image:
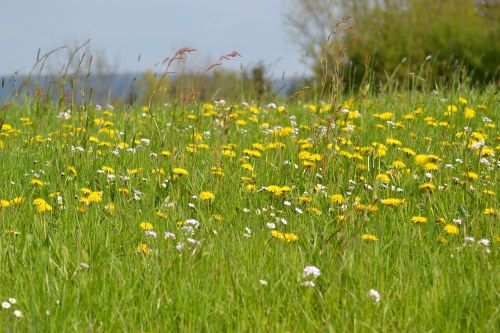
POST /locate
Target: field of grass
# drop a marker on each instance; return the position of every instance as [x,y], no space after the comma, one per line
[380,215]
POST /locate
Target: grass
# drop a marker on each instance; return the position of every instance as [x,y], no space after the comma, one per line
[88,265]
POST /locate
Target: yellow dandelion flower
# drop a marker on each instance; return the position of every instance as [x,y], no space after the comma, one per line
[369,237]
[206,196]
[393,142]
[250,187]
[451,229]
[489,211]
[4,203]
[427,186]
[180,172]
[146,226]
[17,201]
[419,219]
[134,172]
[42,205]
[393,202]
[471,176]
[72,171]
[37,183]
[337,198]
[143,248]
[469,113]
[383,178]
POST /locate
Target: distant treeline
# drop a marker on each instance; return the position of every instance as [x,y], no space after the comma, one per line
[142,88]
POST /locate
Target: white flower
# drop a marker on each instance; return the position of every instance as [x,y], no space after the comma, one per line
[18,313]
[311,271]
[168,235]
[485,242]
[469,239]
[457,221]
[374,295]
[84,265]
[179,246]
[151,233]
[298,210]
[263,282]
[308,284]
[248,232]
[271,225]
[12,300]
[193,241]
[6,305]
[287,203]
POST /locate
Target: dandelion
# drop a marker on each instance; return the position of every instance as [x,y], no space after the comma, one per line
[471,176]
[72,171]
[451,229]
[37,183]
[143,248]
[289,236]
[180,172]
[42,205]
[489,211]
[369,237]
[337,198]
[427,187]
[418,219]
[146,226]
[206,196]
[394,202]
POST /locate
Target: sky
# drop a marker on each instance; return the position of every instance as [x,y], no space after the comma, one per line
[124,29]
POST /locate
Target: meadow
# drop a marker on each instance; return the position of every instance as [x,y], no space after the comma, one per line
[378,214]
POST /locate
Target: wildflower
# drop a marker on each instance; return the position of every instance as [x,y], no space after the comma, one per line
[462,100]
[217,171]
[311,272]
[369,237]
[4,203]
[393,202]
[168,235]
[206,196]
[489,211]
[278,190]
[393,142]
[374,295]
[72,171]
[143,248]
[6,305]
[337,198]
[419,219]
[37,183]
[383,178]
[180,172]
[471,176]
[263,282]
[42,205]
[18,313]
[427,186]
[146,226]
[289,237]
[451,229]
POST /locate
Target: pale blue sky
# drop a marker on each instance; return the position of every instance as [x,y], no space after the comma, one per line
[153,28]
